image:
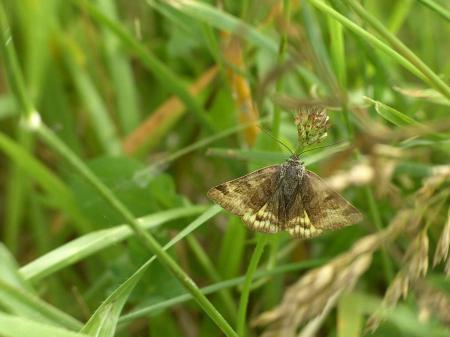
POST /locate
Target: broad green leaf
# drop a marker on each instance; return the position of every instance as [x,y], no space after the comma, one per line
[119,174]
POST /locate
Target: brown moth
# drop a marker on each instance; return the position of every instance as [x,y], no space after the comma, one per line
[285,197]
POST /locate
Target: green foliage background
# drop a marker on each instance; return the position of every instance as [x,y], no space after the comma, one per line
[79,77]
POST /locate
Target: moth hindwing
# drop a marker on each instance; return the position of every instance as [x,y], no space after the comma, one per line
[285,197]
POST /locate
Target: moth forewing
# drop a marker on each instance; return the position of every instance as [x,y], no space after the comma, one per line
[327,208]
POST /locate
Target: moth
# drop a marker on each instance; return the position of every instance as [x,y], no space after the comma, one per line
[286,197]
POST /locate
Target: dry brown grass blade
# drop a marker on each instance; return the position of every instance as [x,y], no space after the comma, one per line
[167,112]
[246,108]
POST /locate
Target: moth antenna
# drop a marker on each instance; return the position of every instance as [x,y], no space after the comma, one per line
[275,138]
[322,147]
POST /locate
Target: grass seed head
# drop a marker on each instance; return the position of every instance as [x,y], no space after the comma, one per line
[312,124]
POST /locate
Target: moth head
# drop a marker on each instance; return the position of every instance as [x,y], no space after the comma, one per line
[292,169]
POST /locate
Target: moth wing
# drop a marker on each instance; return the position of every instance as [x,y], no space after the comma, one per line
[252,197]
[325,208]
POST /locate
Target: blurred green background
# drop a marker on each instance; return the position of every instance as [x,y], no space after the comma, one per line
[160,101]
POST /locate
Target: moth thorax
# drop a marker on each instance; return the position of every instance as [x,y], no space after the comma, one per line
[292,172]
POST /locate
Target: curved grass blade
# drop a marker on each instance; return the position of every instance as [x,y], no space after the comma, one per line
[26,304]
[392,115]
[437,8]
[18,297]
[9,270]
[14,326]
[92,243]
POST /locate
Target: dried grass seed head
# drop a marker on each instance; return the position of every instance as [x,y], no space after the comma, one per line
[443,245]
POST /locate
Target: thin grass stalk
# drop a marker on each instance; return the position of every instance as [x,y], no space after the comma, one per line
[436,8]
[12,67]
[282,52]
[224,294]
[376,218]
[245,294]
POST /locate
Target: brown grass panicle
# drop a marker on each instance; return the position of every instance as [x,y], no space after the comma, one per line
[309,296]
[432,302]
[442,247]
[429,202]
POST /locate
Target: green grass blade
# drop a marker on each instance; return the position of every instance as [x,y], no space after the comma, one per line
[392,115]
[202,257]
[12,67]
[399,15]
[223,21]
[121,74]
[261,242]
[100,119]
[9,271]
[18,297]
[86,245]
[337,51]
[14,326]
[18,188]
[25,304]
[59,192]
[443,12]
